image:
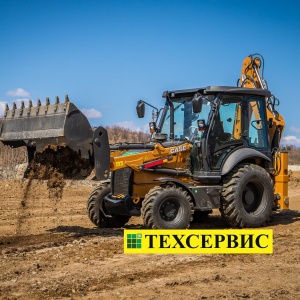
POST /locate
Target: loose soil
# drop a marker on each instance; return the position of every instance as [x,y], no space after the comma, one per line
[58,159]
[55,164]
[50,250]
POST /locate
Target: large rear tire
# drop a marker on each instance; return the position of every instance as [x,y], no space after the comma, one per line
[247,196]
[96,210]
[167,207]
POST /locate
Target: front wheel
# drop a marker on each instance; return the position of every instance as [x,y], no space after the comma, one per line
[96,210]
[167,207]
[247,196]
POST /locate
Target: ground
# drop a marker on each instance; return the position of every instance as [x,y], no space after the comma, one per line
[49,249]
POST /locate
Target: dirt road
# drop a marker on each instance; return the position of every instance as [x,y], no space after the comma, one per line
[49,249]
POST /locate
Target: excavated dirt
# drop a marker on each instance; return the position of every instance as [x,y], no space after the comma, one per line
[55,164]
[50,250]
[58,161]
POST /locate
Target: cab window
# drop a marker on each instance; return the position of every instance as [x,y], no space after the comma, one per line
[257,134]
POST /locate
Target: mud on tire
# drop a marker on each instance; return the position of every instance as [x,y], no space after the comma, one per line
[247,196]
[168,207]
[96,210]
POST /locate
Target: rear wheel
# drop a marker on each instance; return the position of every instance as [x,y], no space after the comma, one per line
[168,207]
[96,210]
[247,197]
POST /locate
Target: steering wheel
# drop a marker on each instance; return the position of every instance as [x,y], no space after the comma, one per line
[193,133]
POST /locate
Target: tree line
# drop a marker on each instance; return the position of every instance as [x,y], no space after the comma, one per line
[10,158]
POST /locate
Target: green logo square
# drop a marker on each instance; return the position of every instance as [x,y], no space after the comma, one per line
[134,241]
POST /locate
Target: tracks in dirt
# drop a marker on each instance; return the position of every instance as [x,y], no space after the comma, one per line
[54,194]
[57,254]
[91,264]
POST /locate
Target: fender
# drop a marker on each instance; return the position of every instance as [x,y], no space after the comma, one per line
[204,198]
[179,183]
[239,155]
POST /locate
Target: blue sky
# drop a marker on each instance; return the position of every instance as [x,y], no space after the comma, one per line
[108,54]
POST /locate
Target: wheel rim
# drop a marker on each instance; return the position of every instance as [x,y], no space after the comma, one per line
[169,209]
[252,197]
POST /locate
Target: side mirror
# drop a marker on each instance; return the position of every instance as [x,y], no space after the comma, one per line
[140,109]
[197,103]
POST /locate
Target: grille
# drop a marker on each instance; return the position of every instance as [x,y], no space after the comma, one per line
[122,182]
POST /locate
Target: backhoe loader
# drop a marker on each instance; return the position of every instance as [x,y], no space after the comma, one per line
[210,147]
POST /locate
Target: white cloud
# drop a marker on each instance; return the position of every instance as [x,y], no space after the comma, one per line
[92,113]
[2,108]
[132,126]
[290,140]
[294,129]
[19,92]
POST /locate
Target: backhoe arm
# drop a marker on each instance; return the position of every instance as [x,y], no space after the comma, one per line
[252,77]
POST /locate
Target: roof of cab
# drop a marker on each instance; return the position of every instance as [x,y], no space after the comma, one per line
[215,90]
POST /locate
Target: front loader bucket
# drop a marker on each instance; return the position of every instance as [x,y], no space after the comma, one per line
[41,125]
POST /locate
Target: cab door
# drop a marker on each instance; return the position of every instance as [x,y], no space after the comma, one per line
[226,131]
[239,122]
[257,124]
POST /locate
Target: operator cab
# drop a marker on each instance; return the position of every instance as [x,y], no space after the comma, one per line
[218,121]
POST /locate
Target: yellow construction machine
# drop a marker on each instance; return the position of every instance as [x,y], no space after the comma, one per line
[210,147]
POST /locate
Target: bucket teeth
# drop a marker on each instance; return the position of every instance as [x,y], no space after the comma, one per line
[38,105]
[47,103]
[21,108]
[29,107]
[56,103]
[40,125]
[14,107]
[40,109]
[67,101]
[6,109]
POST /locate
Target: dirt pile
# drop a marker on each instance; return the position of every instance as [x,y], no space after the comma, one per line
[55,164]
[58,161]
[48,254]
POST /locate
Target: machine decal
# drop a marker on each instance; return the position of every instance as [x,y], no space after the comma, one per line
[177,149]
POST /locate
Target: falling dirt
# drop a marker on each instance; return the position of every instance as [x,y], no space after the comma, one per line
[21,218]
[58,161]
[55,164]
[50,250]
